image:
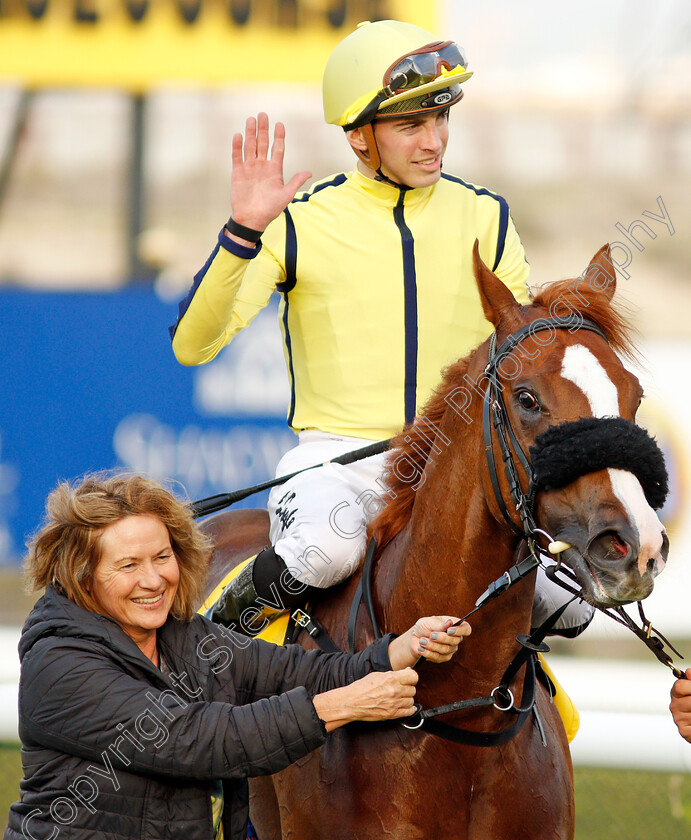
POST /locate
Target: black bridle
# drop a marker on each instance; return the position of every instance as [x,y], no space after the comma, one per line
[600,443]
[496,417]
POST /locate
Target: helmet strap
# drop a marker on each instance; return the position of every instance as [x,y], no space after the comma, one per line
[371,157]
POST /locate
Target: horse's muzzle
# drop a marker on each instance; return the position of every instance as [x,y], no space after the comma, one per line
[614,568]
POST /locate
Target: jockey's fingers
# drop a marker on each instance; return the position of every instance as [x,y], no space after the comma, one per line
[250,138]
[279,143]
[237,149]
[262,135]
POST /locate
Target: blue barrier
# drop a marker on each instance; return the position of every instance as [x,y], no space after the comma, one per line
[90,382]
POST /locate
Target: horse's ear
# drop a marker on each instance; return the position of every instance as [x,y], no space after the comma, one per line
[496,298]
[600,274]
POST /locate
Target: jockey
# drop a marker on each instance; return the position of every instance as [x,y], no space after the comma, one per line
[374,268]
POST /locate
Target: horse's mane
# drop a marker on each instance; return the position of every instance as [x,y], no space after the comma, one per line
[614,321]
[413,445]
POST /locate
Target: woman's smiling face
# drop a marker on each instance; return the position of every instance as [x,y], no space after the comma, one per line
[137,576]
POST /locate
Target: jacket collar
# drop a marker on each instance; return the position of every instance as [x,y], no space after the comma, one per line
[387,194]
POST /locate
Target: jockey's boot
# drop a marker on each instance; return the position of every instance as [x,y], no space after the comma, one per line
[263,589]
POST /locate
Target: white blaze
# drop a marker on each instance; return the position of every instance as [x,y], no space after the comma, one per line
[630,493]
[582,368]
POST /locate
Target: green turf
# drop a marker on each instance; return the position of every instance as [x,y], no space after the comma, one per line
[632,805]
[10,774]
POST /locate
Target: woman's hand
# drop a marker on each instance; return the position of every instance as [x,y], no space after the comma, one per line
[258,194]
[381,695]
[432,638]
[680,707]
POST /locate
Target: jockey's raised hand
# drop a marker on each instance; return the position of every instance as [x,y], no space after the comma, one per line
[258,192]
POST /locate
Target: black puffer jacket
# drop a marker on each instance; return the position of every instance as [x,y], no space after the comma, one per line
[114,748]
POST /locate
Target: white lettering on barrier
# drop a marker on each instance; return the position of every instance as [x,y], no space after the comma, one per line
[200,458]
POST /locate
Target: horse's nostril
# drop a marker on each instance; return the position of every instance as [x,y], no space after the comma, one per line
[611,547]
[614,545]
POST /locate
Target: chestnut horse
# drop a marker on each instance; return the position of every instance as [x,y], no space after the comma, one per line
[448,528]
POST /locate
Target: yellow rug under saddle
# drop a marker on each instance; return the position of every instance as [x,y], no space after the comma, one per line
[565,705]
[277,631]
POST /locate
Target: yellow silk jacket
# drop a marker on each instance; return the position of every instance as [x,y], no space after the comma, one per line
[377,295]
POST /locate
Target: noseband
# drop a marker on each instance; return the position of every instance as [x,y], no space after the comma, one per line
[564,452]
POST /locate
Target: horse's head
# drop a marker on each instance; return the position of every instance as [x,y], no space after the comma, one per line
[570,403]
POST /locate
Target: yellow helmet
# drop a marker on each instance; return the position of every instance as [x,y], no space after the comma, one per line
[390,68]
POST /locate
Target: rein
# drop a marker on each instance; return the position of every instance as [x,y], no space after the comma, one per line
[501,697]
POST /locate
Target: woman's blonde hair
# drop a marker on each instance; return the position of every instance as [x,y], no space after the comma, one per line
[66,549]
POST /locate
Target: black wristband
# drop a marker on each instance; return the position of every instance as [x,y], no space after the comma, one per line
[248,234]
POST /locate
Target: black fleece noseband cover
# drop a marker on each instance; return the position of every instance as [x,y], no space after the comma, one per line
[565,452]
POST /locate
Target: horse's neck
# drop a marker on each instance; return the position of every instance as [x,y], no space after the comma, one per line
[450,551]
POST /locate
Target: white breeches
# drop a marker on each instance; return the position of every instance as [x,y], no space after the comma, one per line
[319,519]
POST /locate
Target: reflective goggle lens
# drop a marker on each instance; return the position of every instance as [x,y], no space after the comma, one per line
[419,68]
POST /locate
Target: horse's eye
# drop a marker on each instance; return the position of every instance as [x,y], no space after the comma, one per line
[528,401]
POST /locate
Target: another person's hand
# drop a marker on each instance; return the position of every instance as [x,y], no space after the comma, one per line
[432,638]
[381,695]
[680,707]
[258,193]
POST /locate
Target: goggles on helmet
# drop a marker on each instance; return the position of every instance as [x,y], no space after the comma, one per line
[423,66]
[411,71]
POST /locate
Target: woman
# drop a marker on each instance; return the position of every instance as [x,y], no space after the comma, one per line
[140,718]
